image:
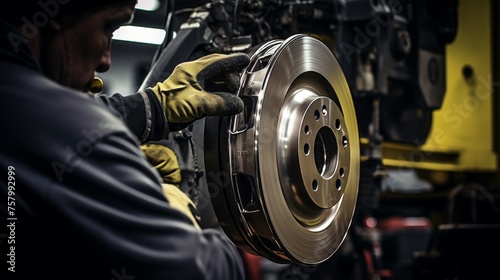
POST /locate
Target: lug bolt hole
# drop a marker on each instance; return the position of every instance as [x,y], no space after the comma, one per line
[325,112]
[337,124]
[338,184]
[315,185]
[316,114]
[307,129]
[307,149]
[341,172]
[344,141]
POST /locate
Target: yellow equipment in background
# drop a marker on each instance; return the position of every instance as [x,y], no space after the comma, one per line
[462,134]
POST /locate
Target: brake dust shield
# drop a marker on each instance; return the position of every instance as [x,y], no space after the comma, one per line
[288,166]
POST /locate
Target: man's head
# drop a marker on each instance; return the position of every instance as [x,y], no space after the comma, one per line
[70,38]
[40,10]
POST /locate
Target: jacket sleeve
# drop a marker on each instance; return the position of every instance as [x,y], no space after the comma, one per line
[142,112]
[115,206]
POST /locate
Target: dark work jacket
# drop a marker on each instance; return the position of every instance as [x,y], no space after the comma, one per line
[84,202]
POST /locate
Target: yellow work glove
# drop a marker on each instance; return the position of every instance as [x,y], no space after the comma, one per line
[164,160]
[202,87]
[180,201]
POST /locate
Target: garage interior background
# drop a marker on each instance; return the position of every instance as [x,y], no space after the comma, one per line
[448,177]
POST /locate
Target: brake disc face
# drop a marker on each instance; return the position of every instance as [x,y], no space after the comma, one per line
[293,155]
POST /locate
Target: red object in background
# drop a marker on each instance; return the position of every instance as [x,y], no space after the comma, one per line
[252,264]
[399,223]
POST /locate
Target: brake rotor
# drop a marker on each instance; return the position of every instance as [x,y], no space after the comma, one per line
[288,164]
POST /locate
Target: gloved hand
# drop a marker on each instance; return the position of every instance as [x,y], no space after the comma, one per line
[180,201]
[165,161]
[203,87]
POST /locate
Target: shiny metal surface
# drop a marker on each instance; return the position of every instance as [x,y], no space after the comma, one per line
[294,152]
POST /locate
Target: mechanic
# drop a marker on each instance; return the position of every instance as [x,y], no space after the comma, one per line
[83,200]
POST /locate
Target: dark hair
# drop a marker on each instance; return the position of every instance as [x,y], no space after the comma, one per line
[40,10]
